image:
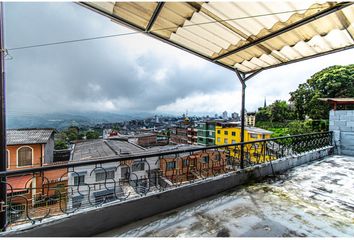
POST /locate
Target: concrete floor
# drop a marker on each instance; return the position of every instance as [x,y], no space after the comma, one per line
[311,200]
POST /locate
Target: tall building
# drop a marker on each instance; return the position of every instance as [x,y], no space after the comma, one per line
[235,116]
[224,115]
[250,119]
[206,133]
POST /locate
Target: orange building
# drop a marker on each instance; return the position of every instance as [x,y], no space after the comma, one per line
[198,165]
[30,148]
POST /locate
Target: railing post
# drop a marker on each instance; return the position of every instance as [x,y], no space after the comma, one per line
[2,125]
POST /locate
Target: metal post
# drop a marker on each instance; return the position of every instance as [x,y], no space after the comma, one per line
[241,77]
[2,125]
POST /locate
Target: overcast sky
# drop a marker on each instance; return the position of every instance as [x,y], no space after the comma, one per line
[124,74]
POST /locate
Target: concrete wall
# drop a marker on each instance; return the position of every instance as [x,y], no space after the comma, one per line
[114,215]
[341,122]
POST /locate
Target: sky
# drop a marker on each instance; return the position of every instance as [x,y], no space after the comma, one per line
[133,73]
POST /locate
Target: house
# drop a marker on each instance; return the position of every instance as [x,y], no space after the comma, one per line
[189,166]
[30,148]
[98,183]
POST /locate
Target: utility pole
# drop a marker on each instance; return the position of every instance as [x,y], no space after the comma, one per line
[2,124]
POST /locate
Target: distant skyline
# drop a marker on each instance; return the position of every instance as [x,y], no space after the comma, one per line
[126,74]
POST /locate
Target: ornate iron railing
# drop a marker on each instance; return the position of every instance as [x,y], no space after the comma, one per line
[75,186]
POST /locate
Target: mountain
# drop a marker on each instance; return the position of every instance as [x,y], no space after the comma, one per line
[64,120]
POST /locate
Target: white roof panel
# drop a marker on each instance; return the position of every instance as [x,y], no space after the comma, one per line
[247,36]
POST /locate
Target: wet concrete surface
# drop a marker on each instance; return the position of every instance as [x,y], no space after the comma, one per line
[314,200]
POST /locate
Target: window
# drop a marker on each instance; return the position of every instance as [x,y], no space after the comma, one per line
[233,133]
[170,165]
[185,163]
[210,133]
[205,159]
[253,135]
[138,166]
[24,156]
[226,141]
[226,132]
[233,141]
[79,180]
[76,201]
[100,176]
[219,139]
[218,131]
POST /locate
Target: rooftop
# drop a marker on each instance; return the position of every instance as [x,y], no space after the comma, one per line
[311,200]
[99,148]
[28,136]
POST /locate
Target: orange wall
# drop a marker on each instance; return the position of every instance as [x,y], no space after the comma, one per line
[36,162]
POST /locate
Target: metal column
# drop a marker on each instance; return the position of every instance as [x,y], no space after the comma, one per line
[243,78]
[2,124]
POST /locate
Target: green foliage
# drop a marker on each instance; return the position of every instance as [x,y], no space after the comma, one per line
[279,132]
[279,111]
[299,127]
[60,145]
[92,135]
[331,82]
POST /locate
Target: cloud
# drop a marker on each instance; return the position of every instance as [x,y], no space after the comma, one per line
[129,73]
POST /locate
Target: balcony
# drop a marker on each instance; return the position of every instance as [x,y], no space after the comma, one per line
[135,192]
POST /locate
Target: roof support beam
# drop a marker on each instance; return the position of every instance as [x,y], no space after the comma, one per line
[154,16]
[287,29]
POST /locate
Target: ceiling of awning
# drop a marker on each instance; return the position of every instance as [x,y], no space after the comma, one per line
[247,36]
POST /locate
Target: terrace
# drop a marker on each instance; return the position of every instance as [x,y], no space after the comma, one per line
[142,185]
[140,191]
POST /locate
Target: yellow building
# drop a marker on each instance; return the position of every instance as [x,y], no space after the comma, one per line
[230,133]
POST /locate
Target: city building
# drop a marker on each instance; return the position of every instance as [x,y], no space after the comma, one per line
[230,133]
[29,148]
[235,116]
[206,133]
[190,166]
[250,119]
[179,135]
[224,115]
[106,182]
[192,135]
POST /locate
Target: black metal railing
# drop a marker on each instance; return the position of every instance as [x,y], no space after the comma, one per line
[34,194]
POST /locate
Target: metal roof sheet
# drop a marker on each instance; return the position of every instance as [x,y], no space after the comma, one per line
[248,36]
[28,136]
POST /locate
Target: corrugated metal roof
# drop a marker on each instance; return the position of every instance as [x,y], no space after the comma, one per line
[248,36]
[28,136]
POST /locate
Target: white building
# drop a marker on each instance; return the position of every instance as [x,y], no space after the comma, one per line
[224,115]
[104,182]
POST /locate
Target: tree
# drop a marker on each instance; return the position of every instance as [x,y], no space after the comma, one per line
[60,145]
[92,135]
[331,82]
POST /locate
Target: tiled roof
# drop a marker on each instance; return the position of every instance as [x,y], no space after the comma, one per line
[99,148]
[28,136]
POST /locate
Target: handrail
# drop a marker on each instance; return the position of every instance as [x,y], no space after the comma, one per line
[144,155]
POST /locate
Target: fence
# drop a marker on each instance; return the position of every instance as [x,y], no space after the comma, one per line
[86,184]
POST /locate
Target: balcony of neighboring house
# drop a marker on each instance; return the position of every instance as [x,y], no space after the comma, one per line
[144,183]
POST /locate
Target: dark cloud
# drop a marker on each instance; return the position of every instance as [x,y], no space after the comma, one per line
[78,76]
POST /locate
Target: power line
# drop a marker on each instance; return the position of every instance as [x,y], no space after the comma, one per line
[160,29]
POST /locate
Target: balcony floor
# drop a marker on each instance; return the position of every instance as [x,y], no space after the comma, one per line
[311,200]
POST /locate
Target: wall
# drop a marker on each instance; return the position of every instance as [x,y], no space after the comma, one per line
[111,216]
[49,150]
[341,122]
